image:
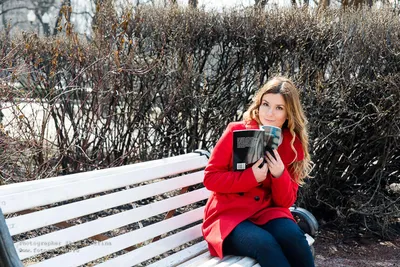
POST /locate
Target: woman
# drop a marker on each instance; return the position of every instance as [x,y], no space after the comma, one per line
[248,212]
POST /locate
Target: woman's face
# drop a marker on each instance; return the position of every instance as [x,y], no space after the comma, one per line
[273,110]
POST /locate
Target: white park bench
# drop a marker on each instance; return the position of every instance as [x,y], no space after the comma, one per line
[144,214]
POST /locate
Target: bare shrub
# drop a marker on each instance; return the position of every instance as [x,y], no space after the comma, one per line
[160,82]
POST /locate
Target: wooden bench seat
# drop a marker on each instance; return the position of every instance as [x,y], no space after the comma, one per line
[144,214]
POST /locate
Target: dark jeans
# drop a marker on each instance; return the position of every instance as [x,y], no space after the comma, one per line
[279,243]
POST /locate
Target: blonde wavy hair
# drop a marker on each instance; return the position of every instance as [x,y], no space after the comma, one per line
[296,121]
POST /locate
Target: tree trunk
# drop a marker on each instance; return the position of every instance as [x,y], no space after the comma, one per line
[355,3]
[192,3]
[323,4]
[358,3]
[260,4]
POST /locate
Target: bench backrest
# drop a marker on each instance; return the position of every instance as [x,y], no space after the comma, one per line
[117,217]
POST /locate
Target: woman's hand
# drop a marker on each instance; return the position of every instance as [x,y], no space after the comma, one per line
[275,165]
[260,173]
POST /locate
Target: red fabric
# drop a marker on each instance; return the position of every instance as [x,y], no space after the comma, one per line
[235,193]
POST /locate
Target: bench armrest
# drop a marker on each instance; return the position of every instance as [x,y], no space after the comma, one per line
[306,221]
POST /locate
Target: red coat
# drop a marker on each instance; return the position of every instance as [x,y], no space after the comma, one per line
[237,196]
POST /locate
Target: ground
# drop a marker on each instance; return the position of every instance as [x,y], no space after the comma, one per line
[334,249]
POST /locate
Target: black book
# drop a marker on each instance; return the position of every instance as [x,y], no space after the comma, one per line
[251,144]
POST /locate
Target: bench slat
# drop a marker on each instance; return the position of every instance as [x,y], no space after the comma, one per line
[211,262]
[82,231]
[183,255]
[310,240]
[70,178]
[43,196]
[226,261]
[197,260]
[66,212]
[245,262]
[206,259]
[147,252]
[118,243]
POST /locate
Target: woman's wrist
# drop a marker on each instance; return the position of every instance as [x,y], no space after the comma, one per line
[278,176]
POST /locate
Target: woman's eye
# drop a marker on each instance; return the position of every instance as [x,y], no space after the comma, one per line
[265,104]
[279,108]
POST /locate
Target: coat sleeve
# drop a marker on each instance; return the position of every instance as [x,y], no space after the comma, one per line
[218,175]
[284,189]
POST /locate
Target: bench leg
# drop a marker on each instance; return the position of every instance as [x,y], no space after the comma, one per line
[312,251]
[8,254]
